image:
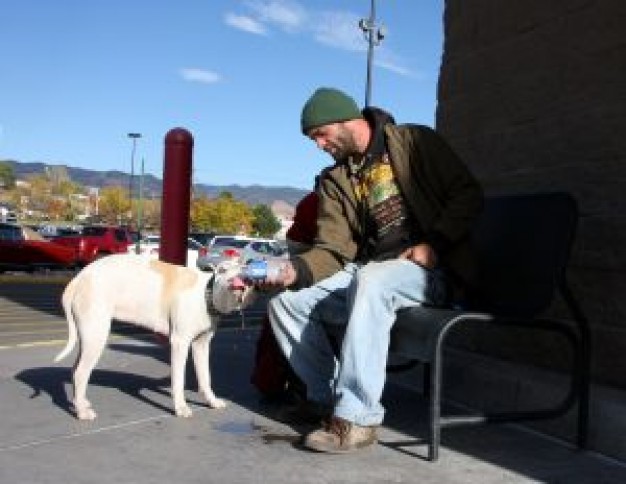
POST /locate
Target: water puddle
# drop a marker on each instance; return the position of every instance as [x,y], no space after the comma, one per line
[237,428]
[270,439]
[252,429]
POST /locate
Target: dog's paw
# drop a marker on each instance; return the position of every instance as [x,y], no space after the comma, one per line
[183,411]
[87,413]
[217,403]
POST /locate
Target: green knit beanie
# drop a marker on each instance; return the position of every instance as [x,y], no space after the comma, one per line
[327,106]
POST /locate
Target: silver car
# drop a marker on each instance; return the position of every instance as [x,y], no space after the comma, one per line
[150,244]
[244,249]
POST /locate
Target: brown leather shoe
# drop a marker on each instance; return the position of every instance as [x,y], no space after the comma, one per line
[339,436]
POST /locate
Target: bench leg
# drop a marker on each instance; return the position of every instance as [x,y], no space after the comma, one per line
[434,377]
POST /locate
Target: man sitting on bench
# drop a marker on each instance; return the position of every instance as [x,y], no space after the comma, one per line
[395,213]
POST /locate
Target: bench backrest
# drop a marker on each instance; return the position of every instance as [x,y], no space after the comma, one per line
[523,244]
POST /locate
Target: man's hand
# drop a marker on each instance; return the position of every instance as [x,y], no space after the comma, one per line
[422,254]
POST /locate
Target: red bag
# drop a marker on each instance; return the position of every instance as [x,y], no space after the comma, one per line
[271,371]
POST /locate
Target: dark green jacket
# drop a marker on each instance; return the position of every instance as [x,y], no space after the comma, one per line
[440,192]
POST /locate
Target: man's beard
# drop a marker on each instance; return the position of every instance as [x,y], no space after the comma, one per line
[344,146]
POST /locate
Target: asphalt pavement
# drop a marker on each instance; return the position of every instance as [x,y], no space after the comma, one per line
[137,439]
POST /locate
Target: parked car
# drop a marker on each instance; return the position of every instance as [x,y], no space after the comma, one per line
[7,214]
[203,237]
[149,246]
[245,249]
[22,248]
[97,241]
[52,231]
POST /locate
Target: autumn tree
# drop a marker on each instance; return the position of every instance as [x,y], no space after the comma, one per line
[56,208]
[225,214]
[114,204]
[151,214]
[200,214]
[7,176]
[38,192]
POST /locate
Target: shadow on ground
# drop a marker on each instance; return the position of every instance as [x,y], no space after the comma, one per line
[524,453]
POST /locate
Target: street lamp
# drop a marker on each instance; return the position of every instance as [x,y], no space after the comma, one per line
[374,36]
[134,137]
[140,210]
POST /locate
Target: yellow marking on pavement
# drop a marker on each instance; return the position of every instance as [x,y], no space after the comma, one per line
[33,344]
[144,336]
[41,330]
[32,280]
[36,443]
[33,323]
[53,342]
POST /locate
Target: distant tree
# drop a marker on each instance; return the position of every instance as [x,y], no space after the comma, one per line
[224,214]
[151,214]
[231,216]
[37,191]
[265,223]
[200,216]
[7,176]
[56,208]
[67,188]
[57,175]
[114,204]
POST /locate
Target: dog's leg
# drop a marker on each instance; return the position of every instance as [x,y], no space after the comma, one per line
[200,351]
[179,351]
[91,345]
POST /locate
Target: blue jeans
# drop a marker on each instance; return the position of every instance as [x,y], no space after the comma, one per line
[361,300]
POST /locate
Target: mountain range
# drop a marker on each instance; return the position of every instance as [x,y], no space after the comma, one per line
[152,185]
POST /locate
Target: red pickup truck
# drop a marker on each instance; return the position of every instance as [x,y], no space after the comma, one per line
[96,241]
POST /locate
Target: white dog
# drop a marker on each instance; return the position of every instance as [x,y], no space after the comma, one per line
[166,298]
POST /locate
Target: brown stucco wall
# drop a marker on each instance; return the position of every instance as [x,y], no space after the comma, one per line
[532,94]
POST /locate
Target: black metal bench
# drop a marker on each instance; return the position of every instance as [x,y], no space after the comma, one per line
[523,244]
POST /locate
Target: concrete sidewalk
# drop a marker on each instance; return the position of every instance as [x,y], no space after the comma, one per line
[136,439]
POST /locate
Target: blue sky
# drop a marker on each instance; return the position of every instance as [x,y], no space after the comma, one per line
[78,75]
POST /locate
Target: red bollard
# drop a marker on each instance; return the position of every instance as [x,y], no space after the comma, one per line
[176,200]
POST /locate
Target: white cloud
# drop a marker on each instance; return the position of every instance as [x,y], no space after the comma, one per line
[393,67]
[287,15]
[200,75]
[247,24]
[388,60]
[336,29]
[339,29]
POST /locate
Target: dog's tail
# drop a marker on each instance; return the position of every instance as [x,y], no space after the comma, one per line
[66,300]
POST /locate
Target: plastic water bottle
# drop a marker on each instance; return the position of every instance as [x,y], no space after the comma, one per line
[258,270]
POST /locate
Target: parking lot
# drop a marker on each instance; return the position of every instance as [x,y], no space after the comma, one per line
[137,439]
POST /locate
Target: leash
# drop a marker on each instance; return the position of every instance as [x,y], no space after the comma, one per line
[243,319]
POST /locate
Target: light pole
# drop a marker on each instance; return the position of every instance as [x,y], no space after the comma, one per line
[140,210]
[134,137]
[374,36]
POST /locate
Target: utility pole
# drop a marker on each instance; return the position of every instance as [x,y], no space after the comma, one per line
[134,137]
[374,36]
[140,210]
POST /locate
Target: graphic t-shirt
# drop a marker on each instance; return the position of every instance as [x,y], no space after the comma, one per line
[385,215]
